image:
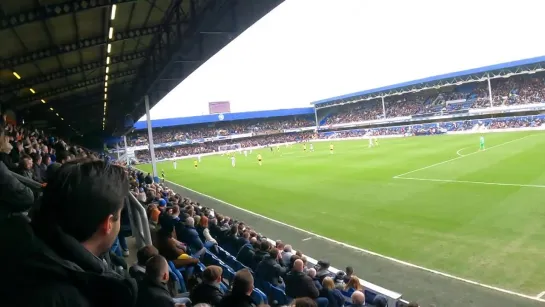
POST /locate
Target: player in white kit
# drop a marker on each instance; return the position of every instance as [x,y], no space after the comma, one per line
[311,147]
[199,158]
[174,164]
[245,153]
[233,161]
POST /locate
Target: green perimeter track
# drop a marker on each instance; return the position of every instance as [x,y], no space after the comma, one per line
[488,233]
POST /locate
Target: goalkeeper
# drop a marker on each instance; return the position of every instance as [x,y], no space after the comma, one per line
[482,143]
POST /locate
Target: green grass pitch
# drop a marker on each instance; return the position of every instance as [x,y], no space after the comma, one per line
[482,217]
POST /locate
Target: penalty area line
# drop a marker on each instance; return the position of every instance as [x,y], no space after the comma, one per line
[459,157]
[401,262]
[539,296]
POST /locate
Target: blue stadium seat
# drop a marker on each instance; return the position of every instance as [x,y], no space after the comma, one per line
[179,278]
[259,297]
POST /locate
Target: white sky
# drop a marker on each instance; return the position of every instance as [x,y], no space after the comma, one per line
[307,50]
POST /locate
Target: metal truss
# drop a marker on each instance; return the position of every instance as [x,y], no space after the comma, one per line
[54,10]
[75,46]
[437,84]
[21,103]
[70,71]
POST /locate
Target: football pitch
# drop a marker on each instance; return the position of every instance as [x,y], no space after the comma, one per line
[436,201]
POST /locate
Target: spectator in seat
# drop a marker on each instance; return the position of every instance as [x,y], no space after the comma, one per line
[380,301]
[246,253]
[171,249]
[36,169]
[349,273]
[263,251]
[358,299]
[209,290]
[312,274]
[242,287]
[286,254]
[304,302]
[15,197]
[25,167]
[61,158]
[5,149]
[189,235]
[298,284]
[138,270]
[270,270]
[322,270]
[353,285]
[334,297]
[204,232]
[152,290]
[77,222]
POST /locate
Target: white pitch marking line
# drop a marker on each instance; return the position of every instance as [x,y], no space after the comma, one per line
[540,295]
[458,152]
[468,281]
[307,239]
[474,182]
[459,157]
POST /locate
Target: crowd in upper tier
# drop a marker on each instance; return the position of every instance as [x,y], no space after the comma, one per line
[513,91]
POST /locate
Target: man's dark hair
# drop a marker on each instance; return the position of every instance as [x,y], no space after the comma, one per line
[273,252]
[243,282]
[349,270]
[62,155]
[35,157]
[81,195]
[154,266]
[264,245]
[45,157]
[304,302]
[145,253]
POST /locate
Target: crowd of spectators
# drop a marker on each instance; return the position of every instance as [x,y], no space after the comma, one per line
[512,91]
[209,147]
[192,132]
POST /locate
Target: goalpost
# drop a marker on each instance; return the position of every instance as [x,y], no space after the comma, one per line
[230,147]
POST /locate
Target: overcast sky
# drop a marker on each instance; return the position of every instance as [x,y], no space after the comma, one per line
[307,50]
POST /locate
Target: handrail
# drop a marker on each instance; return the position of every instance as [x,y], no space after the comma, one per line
[139,222]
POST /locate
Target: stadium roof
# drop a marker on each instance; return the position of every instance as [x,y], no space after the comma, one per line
[57,55]
[506,69]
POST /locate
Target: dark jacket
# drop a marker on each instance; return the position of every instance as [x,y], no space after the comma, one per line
[270,270]
[63,272]
[298,284]
[190,236]
[37,172]
[258,257]
[246,255]
[237,300]
[206,293]
[6,158]
[15,197]
[334,297]
[153,293]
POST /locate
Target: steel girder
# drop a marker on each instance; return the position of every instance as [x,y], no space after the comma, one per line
[75,46]
[70,71]
[478,77]
[30,100]
[54,10]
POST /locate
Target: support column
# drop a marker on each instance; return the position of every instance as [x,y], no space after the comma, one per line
[150,138]
[383,107]
[490,92]
[316,118]
[126,150]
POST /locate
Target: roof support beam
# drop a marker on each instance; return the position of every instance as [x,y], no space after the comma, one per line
[54,10]
[24,102]
[24,83]
[75,46]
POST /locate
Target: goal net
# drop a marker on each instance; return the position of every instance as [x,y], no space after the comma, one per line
[229,147]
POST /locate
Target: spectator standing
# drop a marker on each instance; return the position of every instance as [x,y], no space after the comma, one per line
[270,270]
[298,284]
[239,296]
[208,291]
[25,167]
[36,167]
[77,222]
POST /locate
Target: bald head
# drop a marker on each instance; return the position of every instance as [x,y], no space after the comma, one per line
[298,265]
[312,272]
[190,222]
[358,297]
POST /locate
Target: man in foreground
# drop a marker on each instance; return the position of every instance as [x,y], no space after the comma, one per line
[57,257]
